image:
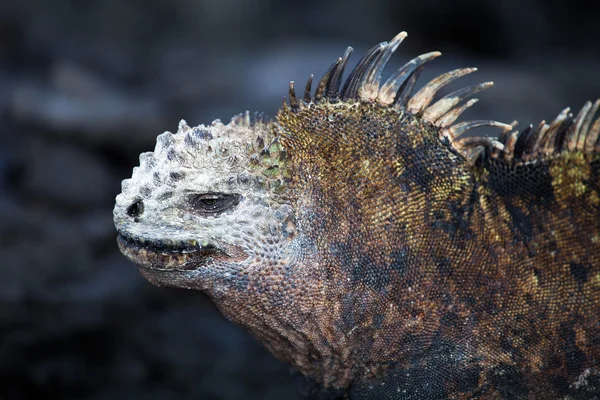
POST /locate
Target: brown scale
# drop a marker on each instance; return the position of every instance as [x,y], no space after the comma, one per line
[427,265]
[488,249]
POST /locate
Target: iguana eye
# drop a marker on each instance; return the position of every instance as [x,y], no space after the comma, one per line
[213,203]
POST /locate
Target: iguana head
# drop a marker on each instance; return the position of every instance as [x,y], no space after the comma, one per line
[206,204]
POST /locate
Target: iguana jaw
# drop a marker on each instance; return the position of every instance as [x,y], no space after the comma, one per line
[170,255]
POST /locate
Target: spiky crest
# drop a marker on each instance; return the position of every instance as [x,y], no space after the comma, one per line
[564,133]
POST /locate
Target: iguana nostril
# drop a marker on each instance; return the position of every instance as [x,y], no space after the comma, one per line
[136,209]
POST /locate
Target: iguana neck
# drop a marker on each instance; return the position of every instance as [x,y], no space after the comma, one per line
[373,177]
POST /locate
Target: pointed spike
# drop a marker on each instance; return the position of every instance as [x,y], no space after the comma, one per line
[536,131]
[446,103]
[423,97]
[453,114]
[369,88]
[456,130]
[293,99]
[522,141]
[389,90]
[546,142]
[477,141]
[406,90]
[503,136]
[472,148]
[496,145]
[509,145]
[333,89]
[555,146]
[352,84]
[307,89]
[587,115]
[539,135]
[590,116]
[592,144]
[284,105]
[544,136]
[496,152]
[528,151]
[572,135]
[474,154]
[323,83]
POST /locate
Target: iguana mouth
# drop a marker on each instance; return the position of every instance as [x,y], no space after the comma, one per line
[172,255]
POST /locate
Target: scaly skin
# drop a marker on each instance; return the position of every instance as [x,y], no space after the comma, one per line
[382,257]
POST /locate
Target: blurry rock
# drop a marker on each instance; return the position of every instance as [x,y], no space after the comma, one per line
[209,357]
[97,226]
[41,254]
[67,175]
[78,104]
[112,278]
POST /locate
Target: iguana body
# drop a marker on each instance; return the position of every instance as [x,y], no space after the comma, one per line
[381,256]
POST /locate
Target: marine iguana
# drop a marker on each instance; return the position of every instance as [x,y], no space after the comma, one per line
[367,243]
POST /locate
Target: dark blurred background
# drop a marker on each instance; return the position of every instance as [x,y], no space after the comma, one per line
[85,86]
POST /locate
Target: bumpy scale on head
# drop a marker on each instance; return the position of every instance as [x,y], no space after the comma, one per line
[206,201]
